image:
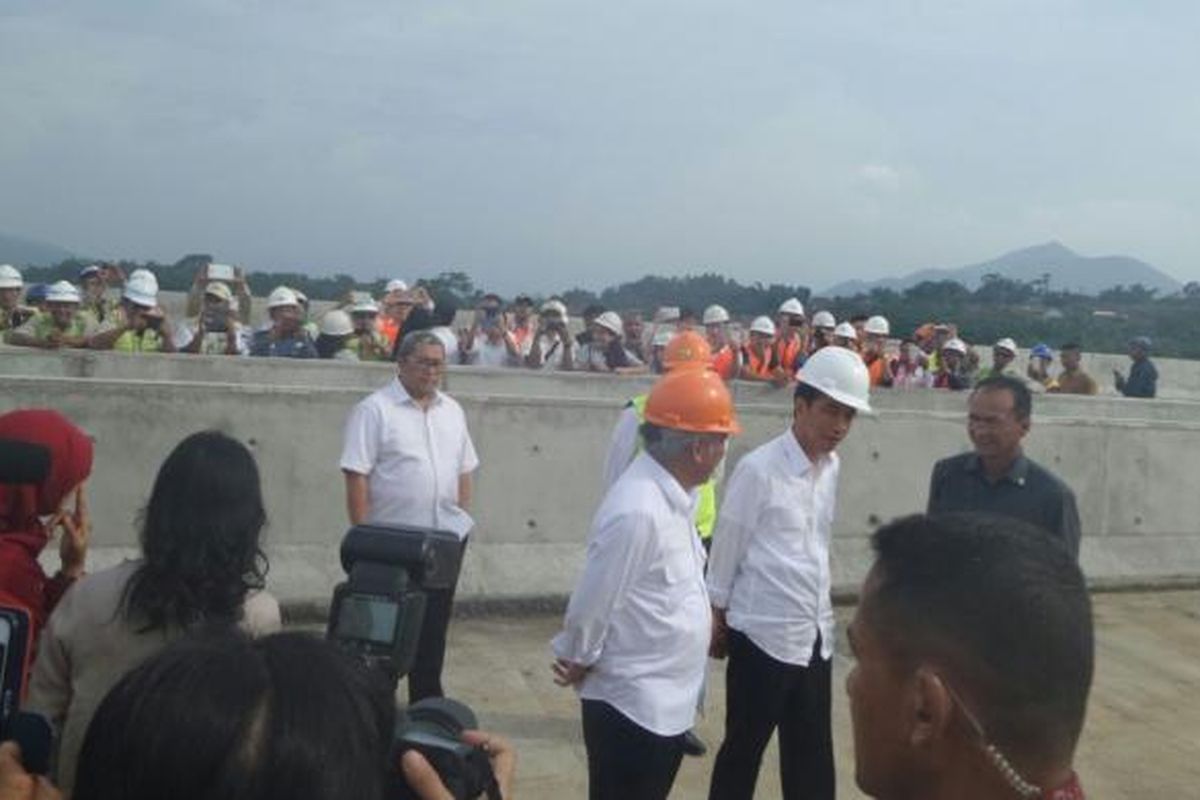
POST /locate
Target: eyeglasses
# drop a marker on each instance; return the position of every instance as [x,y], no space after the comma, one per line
[431,364]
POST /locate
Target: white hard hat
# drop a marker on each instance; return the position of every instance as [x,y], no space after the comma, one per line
[1007,344]
[955,344]
[839,374]
[823,319]
[763,325]
[364,305]
[141,289]
[846,331]
[219,290]
[62,292]
[555,307]
[792,306]
[878,325]
[715,315]
[301,297]
[396,285]
[146,277]
[612,322]
[336,323]
[10,277]
[282,296]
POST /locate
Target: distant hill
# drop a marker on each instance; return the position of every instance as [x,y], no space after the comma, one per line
[27,252]
[1068,271]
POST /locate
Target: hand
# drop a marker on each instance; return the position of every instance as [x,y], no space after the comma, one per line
[718,646]
[76,527]
[16,783]
[239,278]
[568,673]
[423,779]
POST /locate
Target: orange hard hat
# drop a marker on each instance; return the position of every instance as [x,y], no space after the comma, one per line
[693,400]
[686,348]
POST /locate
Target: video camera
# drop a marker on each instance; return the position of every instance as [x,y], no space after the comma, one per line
[377,614]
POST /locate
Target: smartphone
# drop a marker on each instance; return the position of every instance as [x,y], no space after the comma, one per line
[220,272]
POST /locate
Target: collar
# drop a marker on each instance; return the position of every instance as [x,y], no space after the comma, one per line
[402,397]
[676,496]
[1071,790]
[797,459]
[1017,474]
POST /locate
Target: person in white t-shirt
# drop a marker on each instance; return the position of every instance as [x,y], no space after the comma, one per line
[489,342]
[408,459]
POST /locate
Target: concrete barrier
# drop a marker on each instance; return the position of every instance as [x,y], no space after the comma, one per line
[541,454]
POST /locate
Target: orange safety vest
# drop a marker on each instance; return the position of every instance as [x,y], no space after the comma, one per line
[762,367]
[724,363]
[787,352]
[877,369]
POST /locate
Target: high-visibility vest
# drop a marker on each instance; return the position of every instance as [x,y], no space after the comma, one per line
[762,367]
[787,352]
[706,505]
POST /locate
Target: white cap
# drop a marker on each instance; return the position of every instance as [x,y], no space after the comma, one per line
[555,306]
[839,374]
[336,323]
[955,344]
[89,270]
[792,306]
[146,278]
[219,290]
[141,289]
[878,325]
[1007,344]
[823,319]
[364,305]
[763,325]
[846,331]
[10,277]
[612,322]
[662,337]
[282,296]
[396,285]
[62,292]
[715,315]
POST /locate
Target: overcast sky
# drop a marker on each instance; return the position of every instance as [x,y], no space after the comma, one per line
[542,144]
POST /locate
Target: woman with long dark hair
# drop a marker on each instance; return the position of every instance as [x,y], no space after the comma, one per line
[202,568]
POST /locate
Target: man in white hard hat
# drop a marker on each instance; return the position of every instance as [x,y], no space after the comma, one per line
[217,330]
[286,337]
[398,303]
[553,347]
[952,370]
[61,325]
[769,582]
[758,356]
[844,335]
[93,283]
[606,352]
[1004,353]
[823,323]
[333,332]
[876,330]
[726,359]
[368,342]
[790,345]
[139,324]
[12,313]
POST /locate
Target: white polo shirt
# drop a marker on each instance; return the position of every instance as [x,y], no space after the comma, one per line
[769,567]
[640,616]
[412,458]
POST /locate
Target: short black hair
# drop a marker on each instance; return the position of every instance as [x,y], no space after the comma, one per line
[1003,609]
[806,392]
[1070,346]
[1022,397]
[593,310]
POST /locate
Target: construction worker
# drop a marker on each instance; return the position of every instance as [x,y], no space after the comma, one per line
[60,325]
[823,324]
[368,341]
[758,355]
[138,325]
[726,360]
[1038,370]
[286,336]
[769,582]
[844,335]
[12,313]
[789,345]
[1004,353]
[635,637]
[93,282]
[953,372]
[876,331]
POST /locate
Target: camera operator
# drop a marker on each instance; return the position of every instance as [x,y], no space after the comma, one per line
[139,325]
[489,342]
[216,331]
[552,347]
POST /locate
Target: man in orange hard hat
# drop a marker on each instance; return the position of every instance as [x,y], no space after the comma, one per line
[635,638]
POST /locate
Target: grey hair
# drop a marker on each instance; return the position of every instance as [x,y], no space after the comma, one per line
[668,444]
[414,339]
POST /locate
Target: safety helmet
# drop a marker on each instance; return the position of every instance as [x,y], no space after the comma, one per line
[148,278]
[686,349]
[336,323]
[282,296]
[956,345]
[62,292]
[301,297]
[610,321]
[365,305]
[839,374]
[1041,350]
[141,289]
[10,277]
[694,400]
[219,290]
[36,293]
[555,307]
[715,315]
[792,306]
[846,331]
[878,326]
[89,271]
[823,319]
[763,325]
[396,285]
[1006,344]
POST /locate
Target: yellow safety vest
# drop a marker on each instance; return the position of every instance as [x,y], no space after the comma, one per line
[706,507]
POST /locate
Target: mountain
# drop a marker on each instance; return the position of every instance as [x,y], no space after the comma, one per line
[1067,270]
[27,252]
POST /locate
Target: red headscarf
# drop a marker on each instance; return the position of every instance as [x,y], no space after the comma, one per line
[22,534]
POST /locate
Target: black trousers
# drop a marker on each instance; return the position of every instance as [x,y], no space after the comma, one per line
[425,679]
[762,694]
[626,761]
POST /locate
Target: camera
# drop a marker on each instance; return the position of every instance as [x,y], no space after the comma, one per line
[31,731]
[376,615]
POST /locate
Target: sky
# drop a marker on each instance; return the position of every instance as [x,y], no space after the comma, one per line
[545,144]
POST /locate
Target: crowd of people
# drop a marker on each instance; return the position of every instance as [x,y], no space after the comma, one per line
[108,310]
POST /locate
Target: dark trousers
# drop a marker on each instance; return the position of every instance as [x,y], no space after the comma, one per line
[425,678]
[626,761]
[762,694]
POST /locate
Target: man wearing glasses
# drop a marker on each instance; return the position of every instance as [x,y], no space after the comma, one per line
[408,459]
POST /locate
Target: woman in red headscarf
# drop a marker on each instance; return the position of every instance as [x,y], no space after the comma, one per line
[30,514]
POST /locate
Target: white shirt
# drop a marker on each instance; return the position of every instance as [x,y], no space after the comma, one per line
[640,616]
[214,342]
[484,353]
[449,340]
[552,351]
[623,445]
[412,457]
[769,566]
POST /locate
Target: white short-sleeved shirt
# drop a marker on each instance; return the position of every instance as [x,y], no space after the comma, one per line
[769,566]
[412,458]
